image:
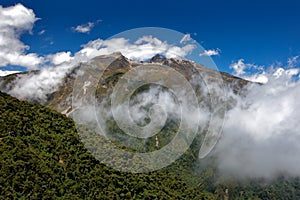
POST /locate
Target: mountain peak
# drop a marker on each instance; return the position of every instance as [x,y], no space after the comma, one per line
[158,58]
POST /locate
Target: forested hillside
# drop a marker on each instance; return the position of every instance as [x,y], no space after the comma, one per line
[41,157]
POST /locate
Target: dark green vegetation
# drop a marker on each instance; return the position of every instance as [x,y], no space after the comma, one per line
[41,157]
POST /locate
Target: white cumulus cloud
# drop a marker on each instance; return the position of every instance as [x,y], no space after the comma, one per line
[60,57]
[14,21]
[239,67]
[210,52]
[259,74]
[143,48]
[84,28]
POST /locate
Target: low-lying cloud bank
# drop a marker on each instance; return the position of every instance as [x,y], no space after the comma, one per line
[261,136]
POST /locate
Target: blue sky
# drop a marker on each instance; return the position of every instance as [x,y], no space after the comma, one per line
[260,32]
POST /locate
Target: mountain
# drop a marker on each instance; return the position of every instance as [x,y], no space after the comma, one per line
[104,72]
[42,156]
[60,98]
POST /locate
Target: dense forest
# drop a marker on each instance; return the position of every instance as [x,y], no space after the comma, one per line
[42,157]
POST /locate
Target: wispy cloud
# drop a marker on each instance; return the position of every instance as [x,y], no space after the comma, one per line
[85,28]
[211,52]
[41,32]
[185,38]
[292,61]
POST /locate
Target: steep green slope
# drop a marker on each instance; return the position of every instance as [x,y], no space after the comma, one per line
[41,157]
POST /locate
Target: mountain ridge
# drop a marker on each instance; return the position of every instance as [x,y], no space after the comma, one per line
[60,98]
